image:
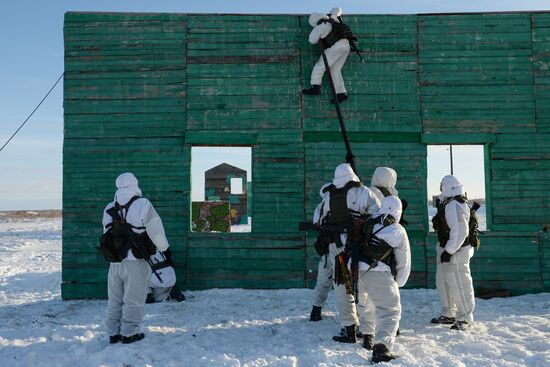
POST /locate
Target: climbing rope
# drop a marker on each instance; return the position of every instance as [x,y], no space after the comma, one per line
[33,111]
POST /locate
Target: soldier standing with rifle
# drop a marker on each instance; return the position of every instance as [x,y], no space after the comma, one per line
[344,200]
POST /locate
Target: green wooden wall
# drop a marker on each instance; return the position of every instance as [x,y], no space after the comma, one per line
[142,89]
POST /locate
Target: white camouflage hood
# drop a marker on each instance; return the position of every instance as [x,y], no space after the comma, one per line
[127,185]
[450,186]
[344,174]
[391,205]
[335,12]
[385,177]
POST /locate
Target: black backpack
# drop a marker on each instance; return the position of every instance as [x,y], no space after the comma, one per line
[119,238]
[442,229]
[339,31]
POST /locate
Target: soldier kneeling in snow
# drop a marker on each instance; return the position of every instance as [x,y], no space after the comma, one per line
[384,264]
[167,289]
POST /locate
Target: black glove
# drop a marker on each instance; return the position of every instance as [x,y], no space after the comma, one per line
[168,255]
[445,257]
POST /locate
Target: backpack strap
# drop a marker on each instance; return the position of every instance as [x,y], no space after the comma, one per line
[116,211]
[384,191]
[329,188]
[389,220]
[128,204]
[325,20]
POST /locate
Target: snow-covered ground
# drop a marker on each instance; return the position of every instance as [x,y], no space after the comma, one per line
[235,327]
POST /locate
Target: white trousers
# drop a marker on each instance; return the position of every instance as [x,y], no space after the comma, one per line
[325,271]
[336,58]
[367,316]
[127,290]
[349,313]
[380,288]
[454,285]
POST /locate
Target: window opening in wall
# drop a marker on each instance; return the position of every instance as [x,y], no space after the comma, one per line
[467,163]
[237,186]
[221,197]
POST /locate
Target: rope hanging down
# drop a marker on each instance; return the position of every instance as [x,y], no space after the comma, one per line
[33,111]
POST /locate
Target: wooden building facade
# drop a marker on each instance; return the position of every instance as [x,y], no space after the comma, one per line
[141,89]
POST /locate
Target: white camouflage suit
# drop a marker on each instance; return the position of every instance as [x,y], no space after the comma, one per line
[336,54]
[387,178]
[378,285]
[360,200]
[453,279]
[128,280]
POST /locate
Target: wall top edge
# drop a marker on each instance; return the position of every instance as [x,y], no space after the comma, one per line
[307,14]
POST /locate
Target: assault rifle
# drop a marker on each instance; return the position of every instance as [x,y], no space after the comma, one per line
[341,273]
[354,244]
[352,43]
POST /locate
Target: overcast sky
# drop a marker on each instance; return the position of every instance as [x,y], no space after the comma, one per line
[32,59]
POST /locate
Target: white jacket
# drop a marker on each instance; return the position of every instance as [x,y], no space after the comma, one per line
[457,215]
[396,236]
[140,214]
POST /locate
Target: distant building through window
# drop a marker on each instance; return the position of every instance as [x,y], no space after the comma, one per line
[220,189]
[467,162]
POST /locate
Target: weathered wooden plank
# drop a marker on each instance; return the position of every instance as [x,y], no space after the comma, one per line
[109,92]
[153,76]
[121,17]
[83,290]
[151,106]
[282,280]
[72,38]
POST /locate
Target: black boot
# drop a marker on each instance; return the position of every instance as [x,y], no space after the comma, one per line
[443,320]
[315,314]
[113,339]
[341,98]
[367,341]
[132,338]
[381,354]
[176,294]
[313,90]
[358,333]
[349,336]
[461,325]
